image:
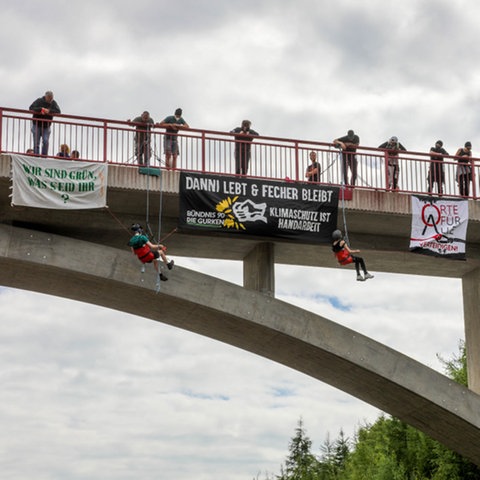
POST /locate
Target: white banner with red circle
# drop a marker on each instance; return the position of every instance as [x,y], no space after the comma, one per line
[439,227]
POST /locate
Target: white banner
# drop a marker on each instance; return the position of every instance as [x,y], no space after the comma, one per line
[60,184]
[439,227]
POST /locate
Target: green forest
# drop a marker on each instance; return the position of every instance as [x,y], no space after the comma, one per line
[388,449]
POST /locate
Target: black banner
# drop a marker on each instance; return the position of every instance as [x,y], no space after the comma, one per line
[302,212]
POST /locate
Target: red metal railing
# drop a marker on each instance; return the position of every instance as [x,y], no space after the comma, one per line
[113,141]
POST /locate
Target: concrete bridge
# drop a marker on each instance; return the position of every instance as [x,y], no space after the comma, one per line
[36,248]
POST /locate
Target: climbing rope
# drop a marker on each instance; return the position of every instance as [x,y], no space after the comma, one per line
[342,189]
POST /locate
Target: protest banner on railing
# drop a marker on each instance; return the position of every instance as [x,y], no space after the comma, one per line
[58,184]
[236,205]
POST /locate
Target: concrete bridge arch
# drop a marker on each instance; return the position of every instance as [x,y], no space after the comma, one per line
[250,320]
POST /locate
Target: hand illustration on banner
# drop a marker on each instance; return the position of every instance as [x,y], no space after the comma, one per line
[249,211]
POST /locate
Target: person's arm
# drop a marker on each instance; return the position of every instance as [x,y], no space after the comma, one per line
[54,108]
[164,124]
[338,143]
[155,246]
[313,171]
[36,106]
[348,249]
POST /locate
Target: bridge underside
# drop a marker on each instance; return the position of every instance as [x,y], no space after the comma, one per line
[309,343]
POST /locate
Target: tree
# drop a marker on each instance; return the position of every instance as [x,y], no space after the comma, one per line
[300,464]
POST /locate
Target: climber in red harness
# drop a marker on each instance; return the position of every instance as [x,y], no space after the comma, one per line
[148,252]
[344,256]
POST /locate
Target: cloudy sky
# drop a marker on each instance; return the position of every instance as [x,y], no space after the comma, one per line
[91,393]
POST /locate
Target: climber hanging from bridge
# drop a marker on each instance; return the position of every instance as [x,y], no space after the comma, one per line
[344,256]
[148,252]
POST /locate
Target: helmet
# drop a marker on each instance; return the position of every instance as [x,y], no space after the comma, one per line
[337,235]
[393,139]
[136,227]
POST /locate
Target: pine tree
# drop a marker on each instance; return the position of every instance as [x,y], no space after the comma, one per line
[300,464]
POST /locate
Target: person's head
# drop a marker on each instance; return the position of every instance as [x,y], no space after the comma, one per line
[350,134]
[439,144]
[246,124]
[313,156]
[337,235]
[64,148]
[29,151]
[468,145]
[178,112]
[393,139]
[75,154]
[137,228]
[145,116]
[49,96]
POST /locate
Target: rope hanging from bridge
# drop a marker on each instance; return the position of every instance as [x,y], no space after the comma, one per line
[342,189]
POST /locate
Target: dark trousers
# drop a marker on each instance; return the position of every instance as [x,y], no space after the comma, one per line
[464,184]
[242,159]
[359,263]
[349,162]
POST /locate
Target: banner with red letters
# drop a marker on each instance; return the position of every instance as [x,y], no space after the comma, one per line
[439,227]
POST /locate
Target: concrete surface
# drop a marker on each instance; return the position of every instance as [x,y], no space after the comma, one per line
[255,322]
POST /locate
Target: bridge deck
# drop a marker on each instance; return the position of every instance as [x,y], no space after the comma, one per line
[378,224]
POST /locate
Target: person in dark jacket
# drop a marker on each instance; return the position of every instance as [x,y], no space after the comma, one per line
[436,172]
[43,109]
[348,144]
[464,169]
[243,143]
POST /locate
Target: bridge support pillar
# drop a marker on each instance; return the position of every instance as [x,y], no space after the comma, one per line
[259,269]
[471,312]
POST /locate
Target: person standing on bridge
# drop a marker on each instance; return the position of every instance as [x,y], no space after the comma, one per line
[392,147]
[314,169]
[43,109]
[148,252]
[436,173]
[348,145]
[464,169]
[243,146]
[172,124]
[144,124]
[344,256]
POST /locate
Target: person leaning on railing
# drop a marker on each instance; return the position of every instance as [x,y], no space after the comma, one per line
[243,141]
[436,173]
[349,144]
[172,124]
[392,147]
[464,170]
[44,108]
[144,123]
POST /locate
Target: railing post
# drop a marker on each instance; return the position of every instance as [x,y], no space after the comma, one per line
[474,183]
[203,152]
[387,173]
[105,136]
[297,163]
[1,130]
